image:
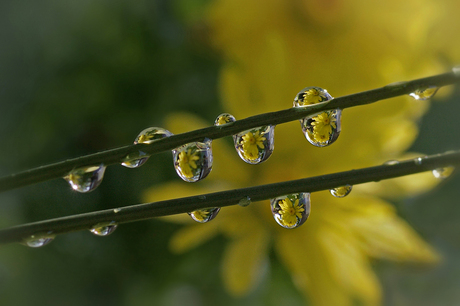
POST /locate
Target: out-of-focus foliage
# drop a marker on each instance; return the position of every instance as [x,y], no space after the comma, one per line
[81,76]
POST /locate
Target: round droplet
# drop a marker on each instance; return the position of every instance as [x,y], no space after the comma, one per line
[104,229]
[85,179]
[391,162]
[149,135]
[322,129]
[244,202]
[342,191]
[292,210]
[424,93]
[442,173]
[224,119]
[204,215]
[311,95]
[36,242]
[193,161]
[256,145]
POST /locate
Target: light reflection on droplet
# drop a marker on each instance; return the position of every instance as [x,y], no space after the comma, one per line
[104,229]
[442,173]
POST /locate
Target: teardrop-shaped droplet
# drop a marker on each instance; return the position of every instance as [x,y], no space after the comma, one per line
[424,93]
[104,229]
[292,210]
[86,179]
[342,191]
[38,241]
[442,173]
[224,119]
[149,135]
[193,161]
[244,202]
[391,162]
[204,215]
[256,145]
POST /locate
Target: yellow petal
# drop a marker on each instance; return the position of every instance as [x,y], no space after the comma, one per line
[192,236]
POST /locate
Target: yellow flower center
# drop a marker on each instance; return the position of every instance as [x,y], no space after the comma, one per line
[251,144]
[290,212]
[187,163]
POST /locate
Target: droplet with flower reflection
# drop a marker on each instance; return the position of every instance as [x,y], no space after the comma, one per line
[204,215]
[104,229]
[193,161]
[291,211]
[442,173]
[149,135]
[424,93]
[85,179]
[323,128]
[224,118]
[256,145]
[342,191]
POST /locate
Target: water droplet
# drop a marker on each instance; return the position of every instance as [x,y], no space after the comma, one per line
[193,161]
[292,210]
[104,229]
[224,119]
[85,179]
[147,136]
[256,145]
[311,95]
[116,210]
[36,241]
[442,173]
[456,70]
[342,191]
[204,215]
[391,162]
[424,93]
[418,161]
[244,202]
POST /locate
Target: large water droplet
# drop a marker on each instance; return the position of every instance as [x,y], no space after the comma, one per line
[442,173]
[424,93]
[193,161]
[340,192]
[86,179]
[149,135]
[104,229]
[292,210]
[224,119]
[204,215]
[36,241]
[256,145]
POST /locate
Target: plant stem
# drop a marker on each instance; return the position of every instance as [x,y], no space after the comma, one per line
[226,198]
[115,156]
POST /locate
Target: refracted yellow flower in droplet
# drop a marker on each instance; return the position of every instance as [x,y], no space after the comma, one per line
[200,215]
[144,138]
[290,212]
[324,123]
[341,191]
[251,144]
[313,96]
[187,162]
[223,119]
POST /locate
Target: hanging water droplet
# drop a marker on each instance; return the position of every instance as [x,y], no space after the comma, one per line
[193,161]
[244,202]
[342,191]
[204,215]
[117,210]
[224,119]
[36,241]
[292,210]
[256,145]
[85,179]
[424,93]
[391,162]
[147,136]
[104,229]
[442,173]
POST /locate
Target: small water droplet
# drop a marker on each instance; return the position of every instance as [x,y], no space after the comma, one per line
[104,229]
[245,201]
[442,173]
[342,191]
[256,145]
[36,241]
[224,119]
[391,162]
[193,161]
[418,161]
[147,136]
[116,210]
[424,93]
[85,179]
[204,215]
[292,210]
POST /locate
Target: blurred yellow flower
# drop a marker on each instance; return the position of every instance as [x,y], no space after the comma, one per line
[345,47]
[251,144]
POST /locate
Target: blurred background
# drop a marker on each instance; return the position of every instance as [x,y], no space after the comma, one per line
[77,77]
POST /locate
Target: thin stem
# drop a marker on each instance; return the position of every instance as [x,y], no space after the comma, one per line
[115,156]
[226,198]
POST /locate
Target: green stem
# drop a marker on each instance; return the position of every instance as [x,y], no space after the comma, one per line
[226,198]
[115,156]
